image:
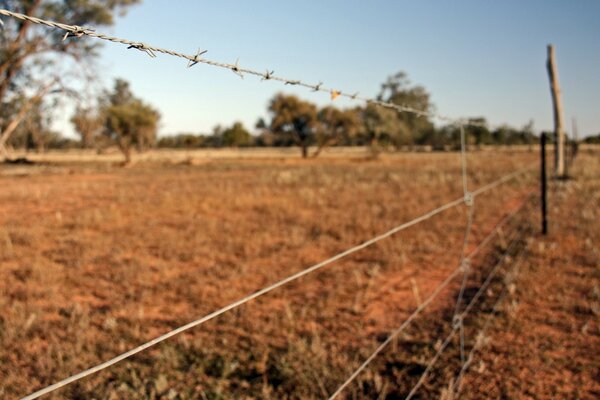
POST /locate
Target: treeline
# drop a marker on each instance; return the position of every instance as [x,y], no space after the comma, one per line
[295,122]
[444,138]
[118,117]
[592,139]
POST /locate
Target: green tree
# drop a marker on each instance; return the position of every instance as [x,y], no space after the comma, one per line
[293,121]
[128,120]
[29,66]
[236,136]
[479,134]
[336,125]
[88,124]
[382,128]
[398,89]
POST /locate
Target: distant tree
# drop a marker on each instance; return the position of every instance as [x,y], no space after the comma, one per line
[336,125]
[29,68]
[592,139]
[182,140]
[236,136]
[128,120]
[88,124]
[398,89]
[293,121]
[438,138]
[382,127]
[478,133]
[34,132]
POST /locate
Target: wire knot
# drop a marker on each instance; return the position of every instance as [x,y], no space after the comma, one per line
[77,31]
[457,321]
[196,59]
[143,47]
[469,199]
[268,75]
[236,69]
[465,265]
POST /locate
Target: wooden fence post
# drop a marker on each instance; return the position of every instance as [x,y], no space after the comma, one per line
[558,113]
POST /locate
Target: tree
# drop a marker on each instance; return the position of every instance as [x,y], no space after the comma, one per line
[336,125]
[29,68]
[34,130]
[236,136]
[478,133]
[293,121]
[88,124]
[128,120]
[383,127]
[399,90]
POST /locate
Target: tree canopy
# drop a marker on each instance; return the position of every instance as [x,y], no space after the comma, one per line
[128,120]
[293,120]
[29,70]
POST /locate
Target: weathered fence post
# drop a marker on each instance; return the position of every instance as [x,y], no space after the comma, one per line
[558,113]
[544,183]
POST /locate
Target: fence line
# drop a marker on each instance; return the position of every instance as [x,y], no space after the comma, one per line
[263,291]
[467,199]
[405,324]
[456,326]
[79,32]
[456,387]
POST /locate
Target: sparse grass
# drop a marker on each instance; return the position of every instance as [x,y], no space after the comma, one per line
[96,260]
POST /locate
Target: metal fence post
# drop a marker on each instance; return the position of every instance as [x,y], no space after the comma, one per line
[544,184]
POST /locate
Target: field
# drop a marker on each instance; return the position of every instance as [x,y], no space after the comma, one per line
[97,259]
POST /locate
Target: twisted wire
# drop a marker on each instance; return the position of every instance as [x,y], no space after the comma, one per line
[246,299]
[405,324]
[455,328]
[78,32]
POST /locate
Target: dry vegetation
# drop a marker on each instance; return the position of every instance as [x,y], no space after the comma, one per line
[96,260]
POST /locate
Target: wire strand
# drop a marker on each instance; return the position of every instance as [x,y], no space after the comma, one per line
[78,32]
[455,328]
[399,330]
[246,299]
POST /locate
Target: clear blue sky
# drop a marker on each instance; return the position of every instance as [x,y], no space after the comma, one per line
[476,58]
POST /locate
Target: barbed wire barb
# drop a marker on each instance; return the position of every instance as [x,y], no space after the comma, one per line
[237,69]
[196,59]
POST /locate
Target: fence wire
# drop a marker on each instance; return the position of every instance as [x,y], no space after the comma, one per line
[457,326]
[76,32]
[259,293]
[454,273]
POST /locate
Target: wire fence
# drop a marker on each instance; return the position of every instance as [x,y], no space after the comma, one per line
[267,74]
[464,265]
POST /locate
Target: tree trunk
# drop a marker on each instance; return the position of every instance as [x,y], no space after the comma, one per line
[10,128]
[304,150]
[125,147]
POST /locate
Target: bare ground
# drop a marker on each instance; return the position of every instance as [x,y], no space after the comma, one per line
[98,259]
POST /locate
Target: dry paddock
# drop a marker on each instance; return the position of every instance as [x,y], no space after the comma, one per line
[97,259]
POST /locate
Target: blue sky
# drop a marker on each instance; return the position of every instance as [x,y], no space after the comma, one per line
[476,58]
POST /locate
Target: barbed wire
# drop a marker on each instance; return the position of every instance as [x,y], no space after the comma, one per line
[405,324]
[77,32]
[467,199]
[256,294]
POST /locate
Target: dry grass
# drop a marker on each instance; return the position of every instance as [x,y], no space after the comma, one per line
[96,260]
